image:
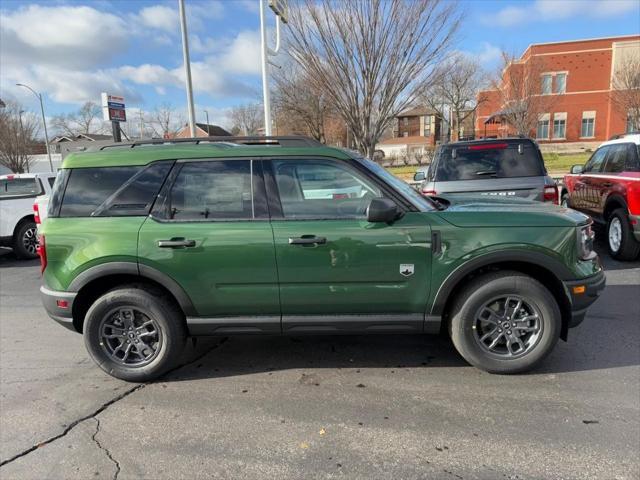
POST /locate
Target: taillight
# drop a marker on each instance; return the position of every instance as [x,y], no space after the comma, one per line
[41,249]
[551,194]
[36,214]
[429,192]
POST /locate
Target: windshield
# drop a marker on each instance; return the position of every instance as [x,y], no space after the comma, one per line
[420,202]
[485,161]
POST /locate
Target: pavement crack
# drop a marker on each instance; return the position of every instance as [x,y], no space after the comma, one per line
[105,450]
[104,406]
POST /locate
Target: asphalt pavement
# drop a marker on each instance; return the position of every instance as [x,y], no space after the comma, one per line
[320,407]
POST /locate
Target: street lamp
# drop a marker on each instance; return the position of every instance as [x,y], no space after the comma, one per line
[207,115]
[44,121]
[22,139]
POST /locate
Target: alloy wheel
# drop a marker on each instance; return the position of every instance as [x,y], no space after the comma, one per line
[507,327]
[30,240]
[615,234]
[130,337]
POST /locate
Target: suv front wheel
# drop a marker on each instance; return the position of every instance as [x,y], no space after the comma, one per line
[134,334]
[505,322]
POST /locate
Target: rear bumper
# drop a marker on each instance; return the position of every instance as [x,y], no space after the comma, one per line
[635,225]
[580,302]
[54,304]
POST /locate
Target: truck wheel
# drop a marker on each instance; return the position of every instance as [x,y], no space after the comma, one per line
[25,240]
[564,201]
[621,243]
[134,334]
[505,322]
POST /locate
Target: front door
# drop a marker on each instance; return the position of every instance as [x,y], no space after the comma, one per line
[210,233]
[338,272]
[583,197]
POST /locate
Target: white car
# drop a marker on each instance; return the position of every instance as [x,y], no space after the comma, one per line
[18,228]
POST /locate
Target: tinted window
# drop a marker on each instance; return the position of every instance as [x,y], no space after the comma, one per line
[212,190]
[112,191]
[322,189]
[55,200]
[633,159]
[616,158]
[51,181]
[594,164]
[16,187]
[467,163]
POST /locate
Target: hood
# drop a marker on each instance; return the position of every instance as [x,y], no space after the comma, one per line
[483,211]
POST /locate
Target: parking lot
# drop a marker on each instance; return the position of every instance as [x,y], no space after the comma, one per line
[311,407]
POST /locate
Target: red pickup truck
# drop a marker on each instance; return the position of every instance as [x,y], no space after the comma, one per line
[607,188]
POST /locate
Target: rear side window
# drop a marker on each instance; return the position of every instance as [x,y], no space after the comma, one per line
[633,159]
[19,187]
[486,161]
[617,158]
[112,191]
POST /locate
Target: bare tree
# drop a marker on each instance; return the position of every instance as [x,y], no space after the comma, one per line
[18,132]
[455,86]
[300,103]
[519,87]
[164,121]
[625,94]
[371,57]
[88,119]
[247,119]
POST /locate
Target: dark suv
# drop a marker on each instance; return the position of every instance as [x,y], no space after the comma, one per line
[507,167]
[145,245]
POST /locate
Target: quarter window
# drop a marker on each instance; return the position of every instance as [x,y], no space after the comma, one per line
[322,189]
[212,190]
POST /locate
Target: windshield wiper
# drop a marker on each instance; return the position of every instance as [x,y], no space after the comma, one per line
[486,172]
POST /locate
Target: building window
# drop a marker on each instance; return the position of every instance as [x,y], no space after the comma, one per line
[633,122]
[547,79]
[559,126]
[542,131]
[405,121]
[561,83]
[588,125]
[405,134]
[427,125]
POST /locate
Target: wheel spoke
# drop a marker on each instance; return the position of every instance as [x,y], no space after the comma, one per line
[495,341]
[486,336]
[492,318]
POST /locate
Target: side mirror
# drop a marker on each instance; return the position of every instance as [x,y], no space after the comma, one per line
[419,176]
[382,210]
[577,169]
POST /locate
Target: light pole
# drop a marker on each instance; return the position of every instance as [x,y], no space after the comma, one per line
[207,115]
[44,121]
[22,140]
[187,68]
[280,10]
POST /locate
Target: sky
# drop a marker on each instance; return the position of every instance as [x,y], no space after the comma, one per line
[73,50]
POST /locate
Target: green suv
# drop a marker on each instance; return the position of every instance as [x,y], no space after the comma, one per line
[147,244]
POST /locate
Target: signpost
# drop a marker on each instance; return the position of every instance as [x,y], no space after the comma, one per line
[113,110]
[281,10]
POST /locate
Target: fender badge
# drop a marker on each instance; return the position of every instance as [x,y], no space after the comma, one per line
[406,269]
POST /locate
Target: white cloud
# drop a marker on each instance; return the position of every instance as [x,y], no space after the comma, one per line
[243,54]
[160,17]
[549,10]
[489,55]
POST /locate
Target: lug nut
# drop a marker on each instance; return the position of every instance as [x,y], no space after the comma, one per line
[499,330]
[508,332]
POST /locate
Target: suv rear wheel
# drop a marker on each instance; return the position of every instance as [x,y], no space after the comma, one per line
[505,322]
[621,243]
[134,334]
[25,240]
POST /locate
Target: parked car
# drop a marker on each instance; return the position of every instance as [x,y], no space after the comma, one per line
[17,221]
[508,167]
[607,188]
[146,246]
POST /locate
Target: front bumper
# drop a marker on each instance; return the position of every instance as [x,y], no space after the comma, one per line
[54,303]
[580,302]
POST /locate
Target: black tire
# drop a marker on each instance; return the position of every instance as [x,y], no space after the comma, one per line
[628,247]
[482,290]
[25,239]
[564,201]
[169,321]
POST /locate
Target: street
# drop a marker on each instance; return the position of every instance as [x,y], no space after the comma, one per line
[320,407]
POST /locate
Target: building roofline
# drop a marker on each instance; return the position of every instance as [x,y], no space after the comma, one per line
[615,37]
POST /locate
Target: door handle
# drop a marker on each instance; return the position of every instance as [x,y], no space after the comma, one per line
[607,184]
[176,243]
[307,240]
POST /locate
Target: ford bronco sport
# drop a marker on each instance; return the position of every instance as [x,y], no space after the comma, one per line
[147,244]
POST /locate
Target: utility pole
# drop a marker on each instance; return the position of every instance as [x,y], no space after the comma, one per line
[44,121]
[280,9]
[208,129]
[141,124]
[187,68]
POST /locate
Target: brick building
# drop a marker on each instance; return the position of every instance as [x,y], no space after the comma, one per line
[578,78]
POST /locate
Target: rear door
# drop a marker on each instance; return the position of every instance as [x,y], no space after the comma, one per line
[210,233]
[493,169]
[337,271]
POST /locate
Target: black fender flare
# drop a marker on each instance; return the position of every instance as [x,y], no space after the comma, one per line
[132,268]
[561,272]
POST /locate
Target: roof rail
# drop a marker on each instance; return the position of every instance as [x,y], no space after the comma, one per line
[282,141]
[622,135]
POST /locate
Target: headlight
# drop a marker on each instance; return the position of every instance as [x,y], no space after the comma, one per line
[585,242]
